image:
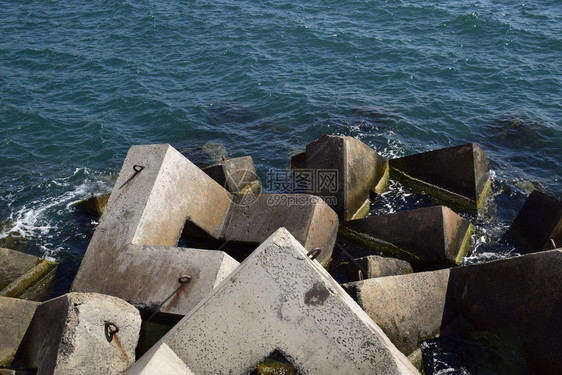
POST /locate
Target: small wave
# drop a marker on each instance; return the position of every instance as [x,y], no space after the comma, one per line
[41,219]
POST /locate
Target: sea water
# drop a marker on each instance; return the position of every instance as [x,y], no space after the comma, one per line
[82,81]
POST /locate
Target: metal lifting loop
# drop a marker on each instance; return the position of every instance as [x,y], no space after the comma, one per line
[312,254]
[138,168]
[111,329]
[184,279]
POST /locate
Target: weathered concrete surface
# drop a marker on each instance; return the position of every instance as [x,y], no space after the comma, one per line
[20,272]
[373,266]
[280,299]
[458,176]
[15,317]
[132,254]
[408,308]
[358,169]
[522,294]
[311,221]
[160,361]
[432,234]
[538,221]
[237,175]
[147,275]
[68,335]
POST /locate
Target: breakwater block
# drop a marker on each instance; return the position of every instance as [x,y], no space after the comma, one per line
[458,177]
[538,225]
[426,235]
[279,299]
[81,333]
[160,361]
[372,266]
[237,175]
[311,221]
[93,205]
[132,254]
[24,274]
[156,278]
[15,317]
[523,294]
[342,170]
[408,308]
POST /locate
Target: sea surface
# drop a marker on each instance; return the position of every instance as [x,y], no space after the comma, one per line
[82,81]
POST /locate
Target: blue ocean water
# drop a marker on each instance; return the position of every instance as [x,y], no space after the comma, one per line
[82,81]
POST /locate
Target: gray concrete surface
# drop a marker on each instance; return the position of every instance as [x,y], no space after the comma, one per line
[68,335]
[280,299]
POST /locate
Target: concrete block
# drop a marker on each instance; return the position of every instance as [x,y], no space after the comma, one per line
[94,205]
[237,175]
[132,254]
[15,317]
[425,235]
[409,308]
[311,221]
[522,294]
[280,299]
[161,360]
[356,168]
[19,272]
[538,223]
[375,266]
[75,334]
[458,176]
[146,276]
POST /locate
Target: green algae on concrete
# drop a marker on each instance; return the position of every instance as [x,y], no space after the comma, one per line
[93,205]
[458,176]
[443,196]
[426,235]
[378,245]
[23,274]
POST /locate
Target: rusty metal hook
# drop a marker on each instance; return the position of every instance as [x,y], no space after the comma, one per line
[138,168]
[182,280]
[312,254]
[110,330]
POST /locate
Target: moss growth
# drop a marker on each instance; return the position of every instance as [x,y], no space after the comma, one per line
[363,211]
[94,206]
[383,183]
[377,245]
[465,245]
[273,367]
[442,196]
[36,275]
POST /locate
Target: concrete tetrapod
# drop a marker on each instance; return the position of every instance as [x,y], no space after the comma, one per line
[523,294]
[15,317]
[237,175]
[538,225]
[425,235]
[311,221]
[132,255]
[81,333]
[280,299]
[458,176]
[343,170]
